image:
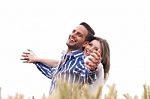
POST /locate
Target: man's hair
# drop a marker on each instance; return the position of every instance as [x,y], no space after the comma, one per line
[88,27]
[91,32]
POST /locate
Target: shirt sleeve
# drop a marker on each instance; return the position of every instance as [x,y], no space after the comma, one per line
[90,75]
[46,70]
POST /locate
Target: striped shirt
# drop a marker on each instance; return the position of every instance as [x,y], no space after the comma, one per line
[45,69]
[71,68]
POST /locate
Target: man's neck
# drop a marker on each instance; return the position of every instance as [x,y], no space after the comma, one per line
[70,50]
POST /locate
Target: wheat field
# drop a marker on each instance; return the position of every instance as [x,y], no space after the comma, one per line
[64,91]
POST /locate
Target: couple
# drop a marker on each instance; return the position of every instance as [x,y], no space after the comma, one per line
[87,59]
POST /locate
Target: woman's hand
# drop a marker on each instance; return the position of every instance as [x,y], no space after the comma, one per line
[93,60]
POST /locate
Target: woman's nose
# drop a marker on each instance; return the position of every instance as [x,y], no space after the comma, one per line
[91,49]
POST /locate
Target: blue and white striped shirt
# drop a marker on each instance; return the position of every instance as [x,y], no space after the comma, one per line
[72,69]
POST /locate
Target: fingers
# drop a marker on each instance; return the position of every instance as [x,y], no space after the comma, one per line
[25,61]
[88,65]
[28,56]
[94,59]
[30,52]
[91,65]
[96,54]
[26,52]
[25,56]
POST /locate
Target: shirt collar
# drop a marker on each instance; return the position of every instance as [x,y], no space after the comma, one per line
[75,53]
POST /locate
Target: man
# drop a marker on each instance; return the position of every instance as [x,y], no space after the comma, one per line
[72,67]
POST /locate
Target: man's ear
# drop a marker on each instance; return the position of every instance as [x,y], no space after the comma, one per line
[85,43]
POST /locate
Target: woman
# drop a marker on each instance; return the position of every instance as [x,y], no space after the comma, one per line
[99,44]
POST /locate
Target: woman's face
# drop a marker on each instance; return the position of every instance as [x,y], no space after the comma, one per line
[94,45]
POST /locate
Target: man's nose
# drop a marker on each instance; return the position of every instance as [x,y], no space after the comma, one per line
[73,34]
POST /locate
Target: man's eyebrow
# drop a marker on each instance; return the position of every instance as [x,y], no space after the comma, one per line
[73,30]
[79,32]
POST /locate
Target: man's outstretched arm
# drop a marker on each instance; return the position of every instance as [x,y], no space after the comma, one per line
[30,57]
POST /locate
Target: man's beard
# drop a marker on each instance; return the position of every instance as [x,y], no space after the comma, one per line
[73,47]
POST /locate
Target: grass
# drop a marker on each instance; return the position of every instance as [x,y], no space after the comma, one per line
[65,91]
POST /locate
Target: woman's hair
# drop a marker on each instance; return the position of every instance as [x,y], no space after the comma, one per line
[105,54]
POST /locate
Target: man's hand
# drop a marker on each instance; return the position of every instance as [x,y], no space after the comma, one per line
[29,56]
[93,60]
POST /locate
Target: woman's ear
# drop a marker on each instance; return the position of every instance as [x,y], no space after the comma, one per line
[85,43]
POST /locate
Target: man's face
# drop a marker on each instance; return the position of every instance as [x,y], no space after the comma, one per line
[77,38]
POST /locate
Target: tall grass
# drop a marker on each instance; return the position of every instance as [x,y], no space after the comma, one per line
[65,91]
